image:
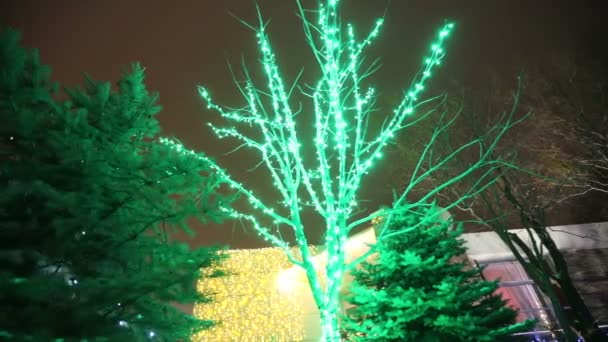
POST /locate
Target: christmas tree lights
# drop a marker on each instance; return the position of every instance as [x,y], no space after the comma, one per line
[344,150]
[249,302]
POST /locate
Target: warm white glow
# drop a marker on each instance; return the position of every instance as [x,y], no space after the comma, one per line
[248,303]
[286,281]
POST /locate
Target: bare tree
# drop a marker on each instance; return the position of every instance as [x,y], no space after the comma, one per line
[342,149]
[550,173]
[577,93]
[540,257]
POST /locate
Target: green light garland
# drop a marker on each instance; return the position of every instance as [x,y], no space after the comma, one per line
[344,152]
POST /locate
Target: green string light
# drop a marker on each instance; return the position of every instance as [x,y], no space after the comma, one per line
[344,153]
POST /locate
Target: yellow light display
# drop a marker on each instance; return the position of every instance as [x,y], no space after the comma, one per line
[250,302]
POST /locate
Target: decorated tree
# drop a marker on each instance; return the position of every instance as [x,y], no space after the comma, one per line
[417,289]
[89,197]
[323,172]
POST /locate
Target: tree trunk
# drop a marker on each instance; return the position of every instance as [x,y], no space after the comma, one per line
[330,328]
[334,272]
[533,265]
[561,316]
[582,318]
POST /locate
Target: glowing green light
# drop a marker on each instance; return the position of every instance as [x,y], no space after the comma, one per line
[344,152]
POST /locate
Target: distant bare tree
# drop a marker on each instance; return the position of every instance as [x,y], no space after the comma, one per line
[558,163]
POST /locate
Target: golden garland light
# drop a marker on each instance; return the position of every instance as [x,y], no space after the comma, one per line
[249,302]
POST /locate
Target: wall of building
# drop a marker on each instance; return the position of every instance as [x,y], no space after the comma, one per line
[487,246]
[589,271]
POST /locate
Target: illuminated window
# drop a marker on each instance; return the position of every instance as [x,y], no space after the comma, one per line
[521,293]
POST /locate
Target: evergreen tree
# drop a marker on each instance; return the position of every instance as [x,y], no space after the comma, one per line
[418,290]
[88,199]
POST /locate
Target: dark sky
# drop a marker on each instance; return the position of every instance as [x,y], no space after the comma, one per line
[184,43]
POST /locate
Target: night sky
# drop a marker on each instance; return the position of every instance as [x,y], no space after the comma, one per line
[185,43]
